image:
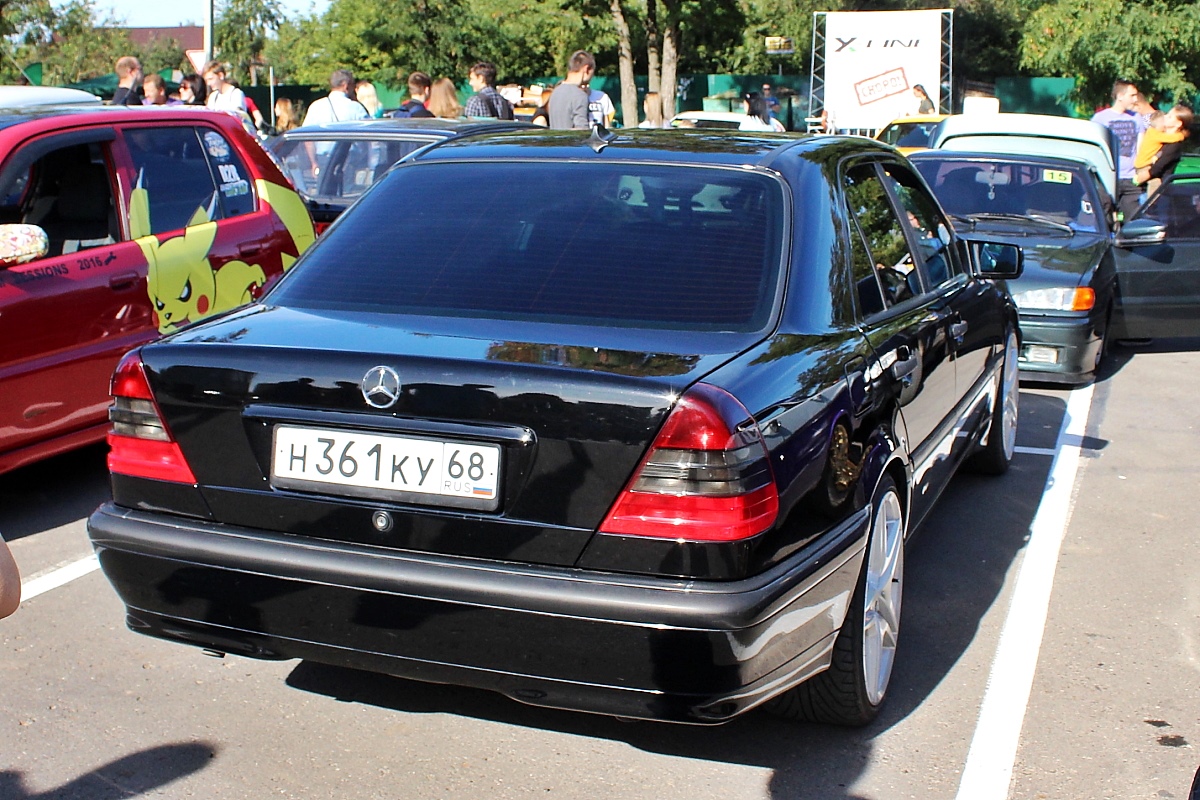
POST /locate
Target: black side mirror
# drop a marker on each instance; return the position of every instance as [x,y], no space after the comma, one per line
[1141,231]
[996,261]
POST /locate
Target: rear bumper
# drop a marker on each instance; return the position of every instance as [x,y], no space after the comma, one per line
[1074,342]
[667,649]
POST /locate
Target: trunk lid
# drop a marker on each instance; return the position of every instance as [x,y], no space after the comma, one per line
[566,412]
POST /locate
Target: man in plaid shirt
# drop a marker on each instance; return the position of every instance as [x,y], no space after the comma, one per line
[486,102]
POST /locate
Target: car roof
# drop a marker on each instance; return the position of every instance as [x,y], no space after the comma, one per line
[405,125]
[1039,134]
[916,119]
[92,113]
[1016,158]
[27,96]
[676,146]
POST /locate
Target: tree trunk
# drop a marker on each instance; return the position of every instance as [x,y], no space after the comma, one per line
[670,58]
[629,103]
[653,62]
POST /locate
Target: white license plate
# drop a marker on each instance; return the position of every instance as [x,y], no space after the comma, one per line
[426,471]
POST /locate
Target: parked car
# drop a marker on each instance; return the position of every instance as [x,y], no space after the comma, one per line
[332,165]
[719,120]
[1033,135]
[30,96]
[1056,211]
[1158,264]
[910,134]
[151,220]
[638,428]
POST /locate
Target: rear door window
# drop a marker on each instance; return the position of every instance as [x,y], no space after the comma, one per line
[188,174]
[630,245]
[341,168]
[880,255]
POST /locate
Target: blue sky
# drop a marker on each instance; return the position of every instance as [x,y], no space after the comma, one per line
[162,13]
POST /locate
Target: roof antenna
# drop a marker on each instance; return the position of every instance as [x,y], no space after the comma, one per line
[600,138]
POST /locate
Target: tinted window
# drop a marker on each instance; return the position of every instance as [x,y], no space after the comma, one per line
[68,193]
[340,168]
[1178,206]
[185,170]
[886,245]
[687,248]
[927,225]
[1055,193]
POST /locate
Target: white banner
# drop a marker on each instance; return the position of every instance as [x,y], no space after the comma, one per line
[873,61]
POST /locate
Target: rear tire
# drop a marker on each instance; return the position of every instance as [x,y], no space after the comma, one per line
[994,457]
[852,690]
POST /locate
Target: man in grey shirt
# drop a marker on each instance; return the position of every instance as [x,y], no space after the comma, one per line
[569,103]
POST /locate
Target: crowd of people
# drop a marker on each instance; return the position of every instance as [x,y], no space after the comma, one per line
[572,103]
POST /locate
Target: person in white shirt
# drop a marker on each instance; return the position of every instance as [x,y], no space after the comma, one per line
[222,95]
[339,105]
[601,110]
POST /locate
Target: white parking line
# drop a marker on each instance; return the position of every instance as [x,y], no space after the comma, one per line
[988,771]
[1036,451]
[60,576]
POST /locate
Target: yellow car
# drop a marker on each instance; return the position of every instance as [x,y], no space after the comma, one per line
[909,134]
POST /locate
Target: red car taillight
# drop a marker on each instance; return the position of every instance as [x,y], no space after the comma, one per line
[706,478]
[139,441]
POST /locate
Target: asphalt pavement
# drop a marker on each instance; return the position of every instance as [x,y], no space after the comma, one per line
[94,711]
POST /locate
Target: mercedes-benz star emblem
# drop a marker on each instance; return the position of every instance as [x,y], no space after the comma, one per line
[381,387]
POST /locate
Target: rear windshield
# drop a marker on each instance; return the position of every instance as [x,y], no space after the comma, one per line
[616,244]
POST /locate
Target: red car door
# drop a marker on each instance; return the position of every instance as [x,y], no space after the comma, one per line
[65,318]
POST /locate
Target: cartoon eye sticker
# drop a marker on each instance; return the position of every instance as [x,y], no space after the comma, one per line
[186,294]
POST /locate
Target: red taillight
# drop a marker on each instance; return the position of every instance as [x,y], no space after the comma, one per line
[706,478]
[139,441]
[320,227]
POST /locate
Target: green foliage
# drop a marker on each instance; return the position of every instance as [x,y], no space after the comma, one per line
[72,41]
[1155,43]
[242,29]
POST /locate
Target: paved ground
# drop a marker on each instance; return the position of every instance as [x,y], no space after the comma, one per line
[93,711]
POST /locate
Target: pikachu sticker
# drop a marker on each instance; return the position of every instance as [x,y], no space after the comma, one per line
[181,281]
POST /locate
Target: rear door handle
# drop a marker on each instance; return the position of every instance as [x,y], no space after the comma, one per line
[250,248]
[123,280]
[958,330]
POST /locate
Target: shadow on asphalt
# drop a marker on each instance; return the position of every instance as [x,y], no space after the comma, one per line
[954,572]
[130,776]
[37,497]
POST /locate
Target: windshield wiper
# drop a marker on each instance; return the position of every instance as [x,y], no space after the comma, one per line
[1043,220]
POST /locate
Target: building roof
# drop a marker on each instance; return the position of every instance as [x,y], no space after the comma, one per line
[189,37]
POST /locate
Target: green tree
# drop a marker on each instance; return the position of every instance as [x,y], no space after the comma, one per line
[73,41]
[1154,42]
[242,29]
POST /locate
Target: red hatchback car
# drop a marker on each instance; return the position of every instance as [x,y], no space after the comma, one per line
[153,219]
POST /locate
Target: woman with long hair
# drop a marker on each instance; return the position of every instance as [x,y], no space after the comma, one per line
[443,100]
[192,90]
[924,104]
[286,117]
[652,105]
[756,107]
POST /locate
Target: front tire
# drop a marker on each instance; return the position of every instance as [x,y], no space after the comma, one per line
[994,457]
[852,690]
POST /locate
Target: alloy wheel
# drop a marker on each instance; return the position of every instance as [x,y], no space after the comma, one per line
[884,591]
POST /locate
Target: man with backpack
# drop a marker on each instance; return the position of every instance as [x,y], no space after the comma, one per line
[486,102]
[419,85]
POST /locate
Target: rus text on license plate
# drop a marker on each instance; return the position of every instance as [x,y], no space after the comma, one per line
[429,471]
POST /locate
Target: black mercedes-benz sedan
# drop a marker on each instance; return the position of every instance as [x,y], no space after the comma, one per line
[1057,210]
[633,424]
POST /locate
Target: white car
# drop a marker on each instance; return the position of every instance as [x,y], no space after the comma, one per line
[722,120]
[1033,135]
[26,96]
